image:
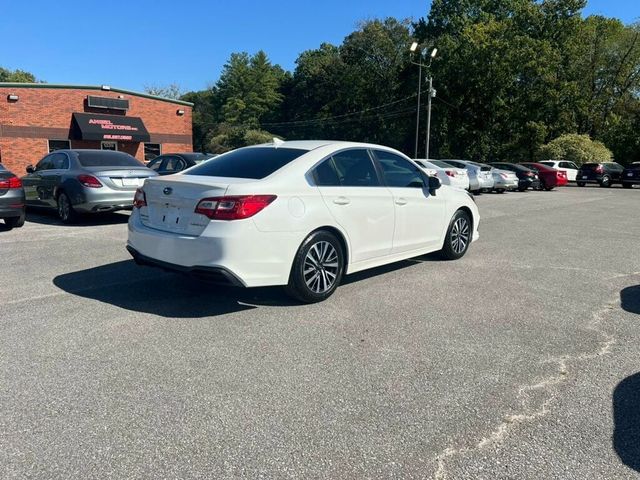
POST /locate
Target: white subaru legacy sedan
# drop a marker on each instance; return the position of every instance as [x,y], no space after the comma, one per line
[300,214]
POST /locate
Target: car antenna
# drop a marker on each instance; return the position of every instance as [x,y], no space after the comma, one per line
[277,142]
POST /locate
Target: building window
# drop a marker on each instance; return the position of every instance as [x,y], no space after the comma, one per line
[109,146]
[151,151]
[59,145]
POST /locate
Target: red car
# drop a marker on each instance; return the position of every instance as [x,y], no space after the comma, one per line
[549,177]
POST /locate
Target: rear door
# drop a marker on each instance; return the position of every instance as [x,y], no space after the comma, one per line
[352,191]
[571,169]
[419,216]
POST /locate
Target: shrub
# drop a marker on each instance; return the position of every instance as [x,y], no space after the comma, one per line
[575,148]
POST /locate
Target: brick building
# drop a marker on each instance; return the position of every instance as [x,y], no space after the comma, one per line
[37,118]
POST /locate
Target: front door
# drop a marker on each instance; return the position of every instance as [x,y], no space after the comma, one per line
[419,216]
[351,190]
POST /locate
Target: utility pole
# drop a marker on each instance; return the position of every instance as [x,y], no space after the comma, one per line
[415,152]
[431,94]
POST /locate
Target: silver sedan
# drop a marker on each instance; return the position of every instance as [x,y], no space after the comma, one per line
[84,181]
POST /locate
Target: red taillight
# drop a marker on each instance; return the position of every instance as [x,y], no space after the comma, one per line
[89,181]
[139,199]
[450,173]
[9,183]
[235,207]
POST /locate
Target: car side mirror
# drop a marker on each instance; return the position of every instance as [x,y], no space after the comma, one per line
[434,184]
[31,169]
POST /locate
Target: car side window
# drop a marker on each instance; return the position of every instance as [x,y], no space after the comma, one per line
[399,172]
[60,161]
[355,169]
[155,163]
[175,164]
[45,164]
[325,174]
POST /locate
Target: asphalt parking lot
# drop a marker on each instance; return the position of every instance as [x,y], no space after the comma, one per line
[518,361]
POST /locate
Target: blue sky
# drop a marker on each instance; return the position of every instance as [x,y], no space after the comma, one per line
[157,42]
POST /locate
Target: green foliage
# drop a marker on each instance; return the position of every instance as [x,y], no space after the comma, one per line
[172,90]
[16,76]
[228,138]
[575,148]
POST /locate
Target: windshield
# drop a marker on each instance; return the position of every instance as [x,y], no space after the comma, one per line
[99,158]
[249,162]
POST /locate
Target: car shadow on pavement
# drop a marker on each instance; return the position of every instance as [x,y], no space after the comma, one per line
[50,218]
[626,415]
[150,290]
[630,299]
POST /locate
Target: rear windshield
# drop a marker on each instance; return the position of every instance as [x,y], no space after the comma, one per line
[107,159]
[250,162]
[483,167]
[441,164]
[590,166]
[548,164]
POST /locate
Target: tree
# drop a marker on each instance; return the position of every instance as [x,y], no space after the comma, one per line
[575,148]
[16,76]
[172,91]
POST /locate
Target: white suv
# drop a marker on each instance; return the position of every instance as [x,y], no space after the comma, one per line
[570,167]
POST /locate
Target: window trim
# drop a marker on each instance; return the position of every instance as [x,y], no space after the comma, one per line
[49,140]
[109,141]
[144,145]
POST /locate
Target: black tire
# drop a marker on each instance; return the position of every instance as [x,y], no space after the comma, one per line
[15,222]
[66,213]
[318,259]
[500,190]
[542,185]
[606,181]
[627,185]
[581,184]
[522,189]
[548,189]
[460,229]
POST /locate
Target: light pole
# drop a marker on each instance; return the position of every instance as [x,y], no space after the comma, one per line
[431,94]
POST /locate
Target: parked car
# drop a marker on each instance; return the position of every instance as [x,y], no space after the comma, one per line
[548,176]
[631,175]
[480,178]
[169,163]
[300,214]
[84,181]
[12,209]
[504,180]
[562,165]
[448,175]
[604,174]
[527,178]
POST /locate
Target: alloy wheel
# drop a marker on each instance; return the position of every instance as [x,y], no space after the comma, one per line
[63,207]
[460,235]
[320,268]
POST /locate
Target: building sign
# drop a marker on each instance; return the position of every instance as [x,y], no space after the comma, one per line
[91,126]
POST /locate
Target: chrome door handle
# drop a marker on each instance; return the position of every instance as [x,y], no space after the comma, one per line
[401,201]
[341,201]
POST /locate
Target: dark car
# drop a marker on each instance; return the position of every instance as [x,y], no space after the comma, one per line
[12,209]
[548,176]
[84,181]
[527,178]
[169,163]
[604,174]
[631,175]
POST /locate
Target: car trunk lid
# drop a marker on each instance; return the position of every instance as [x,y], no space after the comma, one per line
[172,200]
[121,178]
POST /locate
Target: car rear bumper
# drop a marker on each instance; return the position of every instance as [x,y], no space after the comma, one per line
[507,184]
[95,200]
[251,257]
[12,203]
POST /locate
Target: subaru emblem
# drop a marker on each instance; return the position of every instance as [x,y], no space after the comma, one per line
[167,190]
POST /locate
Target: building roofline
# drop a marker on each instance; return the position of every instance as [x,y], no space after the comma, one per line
[92,87]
